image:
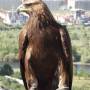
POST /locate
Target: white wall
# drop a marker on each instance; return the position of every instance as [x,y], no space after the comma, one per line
[71,3]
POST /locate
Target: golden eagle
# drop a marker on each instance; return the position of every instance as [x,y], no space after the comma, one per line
[45,52]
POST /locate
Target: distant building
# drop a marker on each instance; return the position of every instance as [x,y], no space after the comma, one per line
[70,4]
[12,18]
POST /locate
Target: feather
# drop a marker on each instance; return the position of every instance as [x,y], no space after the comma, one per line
[45,50]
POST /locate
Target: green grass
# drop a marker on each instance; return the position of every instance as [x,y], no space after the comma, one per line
[8,84]
[80,38]
[9,44]
[81,84]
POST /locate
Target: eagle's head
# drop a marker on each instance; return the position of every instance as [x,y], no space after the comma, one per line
[30,6]
[38,11]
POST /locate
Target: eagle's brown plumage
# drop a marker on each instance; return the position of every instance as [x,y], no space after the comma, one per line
[44,50]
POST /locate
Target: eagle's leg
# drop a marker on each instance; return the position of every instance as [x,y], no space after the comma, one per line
[65,75]
[29,74]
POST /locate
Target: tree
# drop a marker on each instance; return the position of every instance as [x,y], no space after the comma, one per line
[6,70]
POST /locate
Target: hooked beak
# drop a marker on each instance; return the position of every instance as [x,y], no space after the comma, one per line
[21,8]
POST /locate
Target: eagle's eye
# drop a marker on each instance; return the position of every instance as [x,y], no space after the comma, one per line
[31,4]
[28,4]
